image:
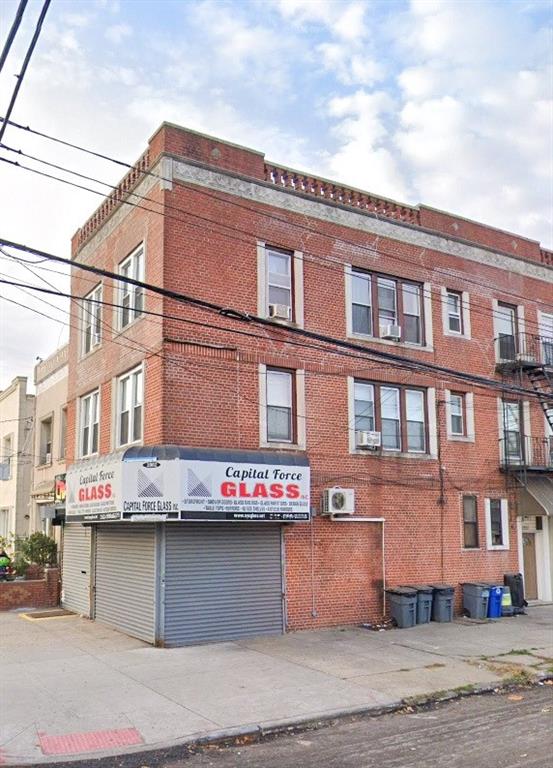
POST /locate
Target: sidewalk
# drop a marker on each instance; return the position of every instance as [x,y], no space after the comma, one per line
[76,689]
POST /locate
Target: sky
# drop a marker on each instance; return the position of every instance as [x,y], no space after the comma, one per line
[445,103]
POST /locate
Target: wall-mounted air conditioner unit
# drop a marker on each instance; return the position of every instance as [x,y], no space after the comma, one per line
[280,311]
[392,332]
[525,357]
[339,501]
[371,441]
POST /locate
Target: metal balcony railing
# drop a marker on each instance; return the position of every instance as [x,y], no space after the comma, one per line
[519,452]
[523,350]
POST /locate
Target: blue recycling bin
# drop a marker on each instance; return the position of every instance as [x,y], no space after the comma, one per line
[494,602]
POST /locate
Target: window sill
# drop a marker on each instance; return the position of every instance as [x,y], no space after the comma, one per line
[282,446]
[88,354]
[128,445]
[89,456]
[389,343]
[44,464]
[279,321]
[461,438]
[453,335]
[498,548]
[471,549]
[394,455]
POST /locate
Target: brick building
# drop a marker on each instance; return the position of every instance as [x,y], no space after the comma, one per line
[450,474]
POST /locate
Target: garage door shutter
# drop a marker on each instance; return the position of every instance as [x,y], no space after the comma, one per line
[222,582]
[125,578]
[76,568]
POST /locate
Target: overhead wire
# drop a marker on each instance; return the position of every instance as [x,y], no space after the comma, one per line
[13,32]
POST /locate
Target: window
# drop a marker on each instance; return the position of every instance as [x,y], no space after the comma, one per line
[454,312]
[7,455]
[279,272]
[512,430]
[89,424]
[280,406]
[131,297]
[399,414]
[546,335]
[497,523]
[63,432]
[470,522]
[91,320]
[45,436]
[506,323]
[378,302]
[457,414]
[4,523]
[130,397]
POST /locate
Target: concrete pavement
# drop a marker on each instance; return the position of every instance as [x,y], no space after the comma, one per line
[71,688]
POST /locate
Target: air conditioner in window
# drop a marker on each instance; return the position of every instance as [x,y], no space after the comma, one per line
[525,357]
[48,458]
[339,501]
[280,311]
[368,440]
[392,332]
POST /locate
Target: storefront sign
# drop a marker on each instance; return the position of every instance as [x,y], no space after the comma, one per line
[59,489]
[215,490]
[151,490]
[94,490]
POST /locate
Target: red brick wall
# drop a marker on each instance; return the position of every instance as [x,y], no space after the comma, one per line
[202,383]
[40,593]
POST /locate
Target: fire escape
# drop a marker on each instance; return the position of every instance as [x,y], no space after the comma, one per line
[529,358]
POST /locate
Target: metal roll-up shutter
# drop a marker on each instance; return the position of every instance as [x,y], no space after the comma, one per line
[222,582]
[125,578]
[76,567]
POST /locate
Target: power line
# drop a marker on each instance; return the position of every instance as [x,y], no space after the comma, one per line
[335,264]
[13,32]
[235,315]
[26,60]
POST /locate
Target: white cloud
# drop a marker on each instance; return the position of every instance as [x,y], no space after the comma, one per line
[116,33]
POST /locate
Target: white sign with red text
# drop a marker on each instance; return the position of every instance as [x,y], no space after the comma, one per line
[243,491]
[94,489]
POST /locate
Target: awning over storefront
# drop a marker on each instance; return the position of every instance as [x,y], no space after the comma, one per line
[536,496]
[178,483]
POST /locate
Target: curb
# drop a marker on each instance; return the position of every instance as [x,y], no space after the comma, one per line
[257,733]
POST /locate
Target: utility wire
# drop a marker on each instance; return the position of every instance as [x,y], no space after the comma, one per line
[235,315]
[234,203]
[26,60]
[13,32]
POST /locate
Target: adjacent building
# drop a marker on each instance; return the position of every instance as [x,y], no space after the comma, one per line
[354,393]
[50,378]
[16,458]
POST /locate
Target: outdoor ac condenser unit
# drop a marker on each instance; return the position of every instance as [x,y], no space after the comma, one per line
[339,501]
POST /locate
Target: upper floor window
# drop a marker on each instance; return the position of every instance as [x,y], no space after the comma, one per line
[506,325]
[131,297]
[386,308]
[89,424]
[457,414]
[7,457]
[130,398]
[91,320]
[398,413]
[63,432]
[497,524]
[454,312]
[45,437]
[279,281]
[280,406]
[4,523]
[512,428]
[470,522]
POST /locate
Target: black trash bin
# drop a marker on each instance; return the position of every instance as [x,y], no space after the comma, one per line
[403,606]
[475,599]
[442,602]
[424,602]
[516,584]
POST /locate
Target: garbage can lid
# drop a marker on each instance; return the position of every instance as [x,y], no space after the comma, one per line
[419,587]
[446,588]
[407,591]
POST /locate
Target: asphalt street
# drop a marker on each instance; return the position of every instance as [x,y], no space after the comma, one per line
[493,731]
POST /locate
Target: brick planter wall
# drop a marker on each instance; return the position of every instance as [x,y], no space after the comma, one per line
[39,593]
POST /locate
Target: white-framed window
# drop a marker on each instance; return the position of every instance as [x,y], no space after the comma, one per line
[459,409]
[46,431]
[89,424]
[281,407]
[63,432]
[470,521]
[7,458]
[130,401]
[4,522]
[398,413]
[91,320]
[279,283]
[497,523]
[131,297]
[456,313]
